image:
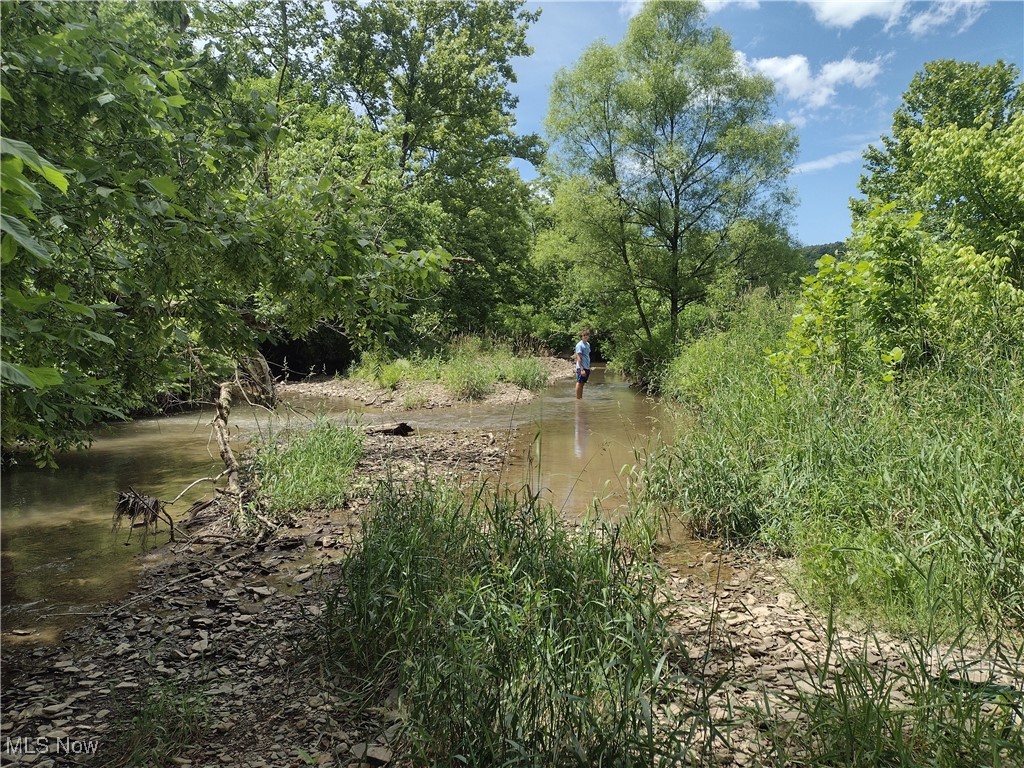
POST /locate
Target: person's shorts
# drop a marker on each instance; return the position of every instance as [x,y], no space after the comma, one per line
[582,375]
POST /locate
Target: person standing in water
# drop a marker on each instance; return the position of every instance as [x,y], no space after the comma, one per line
[582,362]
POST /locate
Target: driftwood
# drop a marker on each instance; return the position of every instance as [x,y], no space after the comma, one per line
[141,511]
[400,429]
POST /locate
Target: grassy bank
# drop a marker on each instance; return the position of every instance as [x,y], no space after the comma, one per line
[888,494]
[469,368]
[305,470]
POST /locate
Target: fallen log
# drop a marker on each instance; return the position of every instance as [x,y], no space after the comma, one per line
[400,428]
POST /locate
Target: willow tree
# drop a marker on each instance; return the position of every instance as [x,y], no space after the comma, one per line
[675,143]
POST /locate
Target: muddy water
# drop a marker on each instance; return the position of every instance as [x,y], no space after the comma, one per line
[575,452]
[60,559]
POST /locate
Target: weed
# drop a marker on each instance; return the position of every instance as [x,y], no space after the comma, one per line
[166,723]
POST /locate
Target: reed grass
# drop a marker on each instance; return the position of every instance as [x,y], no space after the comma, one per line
[512,640]
[307,470]
[944,704]
[870,485]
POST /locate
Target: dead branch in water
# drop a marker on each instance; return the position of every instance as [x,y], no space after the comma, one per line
[141,512]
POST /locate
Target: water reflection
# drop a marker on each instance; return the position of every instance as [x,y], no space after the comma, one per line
[581,429]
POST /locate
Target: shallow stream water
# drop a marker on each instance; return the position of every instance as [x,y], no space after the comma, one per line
[61,559]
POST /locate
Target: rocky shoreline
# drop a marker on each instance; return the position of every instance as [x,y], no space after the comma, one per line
[231,621]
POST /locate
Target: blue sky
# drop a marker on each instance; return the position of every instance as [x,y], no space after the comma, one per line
[840,68]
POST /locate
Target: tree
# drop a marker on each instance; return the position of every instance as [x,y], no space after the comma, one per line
[934,273]
[945,93]
[674,145]
[432,79]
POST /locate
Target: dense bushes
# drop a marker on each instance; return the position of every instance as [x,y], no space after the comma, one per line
[884,491]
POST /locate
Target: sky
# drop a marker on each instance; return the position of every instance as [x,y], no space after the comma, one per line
[840,69]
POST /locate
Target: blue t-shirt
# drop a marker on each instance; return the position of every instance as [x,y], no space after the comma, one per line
[583,350]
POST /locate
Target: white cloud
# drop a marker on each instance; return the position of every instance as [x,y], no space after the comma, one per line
[945,11]
[793,75]
[829,161]
[846,13]
[716,5]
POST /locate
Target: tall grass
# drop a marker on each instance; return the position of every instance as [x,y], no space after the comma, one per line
[870,485]
[469,367]
[928,710]
[512,640]
[307,470]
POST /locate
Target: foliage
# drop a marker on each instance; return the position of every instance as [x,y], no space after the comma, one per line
[511,641]
[938,271]
[469,367]
[924,710]
[148,240]
[307,471]
[945,94]
[432,80]
[871,486]
[166,723]
[668,168]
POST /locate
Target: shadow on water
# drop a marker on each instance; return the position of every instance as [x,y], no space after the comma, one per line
[59,556]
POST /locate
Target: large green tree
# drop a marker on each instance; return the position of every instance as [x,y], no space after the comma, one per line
[667,156]
[433,79]
[935,271]
[945,93]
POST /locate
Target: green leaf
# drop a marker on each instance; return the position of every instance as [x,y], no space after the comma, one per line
[100,337]
[17,229]
[26,376]
[8,247]
[164,185]
[31,158]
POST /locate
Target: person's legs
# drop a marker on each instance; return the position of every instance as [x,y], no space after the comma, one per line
[581,379]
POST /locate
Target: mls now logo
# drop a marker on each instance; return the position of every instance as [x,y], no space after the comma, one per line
[23,745]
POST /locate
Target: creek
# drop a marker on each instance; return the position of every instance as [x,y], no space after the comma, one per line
[60,559]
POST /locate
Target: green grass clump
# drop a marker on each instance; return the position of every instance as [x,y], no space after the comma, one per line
[526,372]
[166,723]
[469,368]
[469,379]
[311,470]
[512,642]
[923,712]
